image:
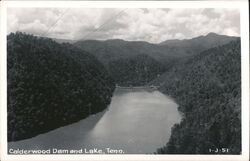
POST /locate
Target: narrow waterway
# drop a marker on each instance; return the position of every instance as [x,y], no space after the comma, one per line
[138,121]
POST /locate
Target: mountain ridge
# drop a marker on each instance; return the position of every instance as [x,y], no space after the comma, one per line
[210,40]
[62,40]
[196,44]
[166,55]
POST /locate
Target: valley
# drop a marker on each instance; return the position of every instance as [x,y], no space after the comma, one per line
[202,75]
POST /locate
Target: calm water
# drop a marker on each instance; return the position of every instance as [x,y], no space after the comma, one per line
[137,121]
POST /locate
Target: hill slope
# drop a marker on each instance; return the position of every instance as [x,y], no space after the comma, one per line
[208,90]
[135,71]
[51,85]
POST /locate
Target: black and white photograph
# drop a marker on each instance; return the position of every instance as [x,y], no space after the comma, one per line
[154,81]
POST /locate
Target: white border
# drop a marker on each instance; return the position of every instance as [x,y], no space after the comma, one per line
[242,5]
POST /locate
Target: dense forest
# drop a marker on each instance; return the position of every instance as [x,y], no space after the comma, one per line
[51,85]
[135,71]
[208,90]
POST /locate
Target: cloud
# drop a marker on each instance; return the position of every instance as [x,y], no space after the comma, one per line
[147,24]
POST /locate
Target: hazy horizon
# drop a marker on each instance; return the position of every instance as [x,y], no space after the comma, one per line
[72,40]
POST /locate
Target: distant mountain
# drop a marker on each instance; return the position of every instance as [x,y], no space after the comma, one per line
[200,43]
[117,48]
[207,88]
[168,53]
[110,50]
[51,85]
[135,71]
[60,41]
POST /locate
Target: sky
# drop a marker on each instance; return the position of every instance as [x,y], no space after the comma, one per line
[133,24]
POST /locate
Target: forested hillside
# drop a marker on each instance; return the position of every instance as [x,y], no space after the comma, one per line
[51,85]
[129,63]
[135,71]
[208,91]
[166,54]
[110,50]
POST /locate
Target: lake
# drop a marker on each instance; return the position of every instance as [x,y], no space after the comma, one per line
[138,121]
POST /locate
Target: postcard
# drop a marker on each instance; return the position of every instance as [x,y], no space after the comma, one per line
[124,80]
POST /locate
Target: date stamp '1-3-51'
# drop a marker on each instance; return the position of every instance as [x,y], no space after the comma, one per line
[219,150]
